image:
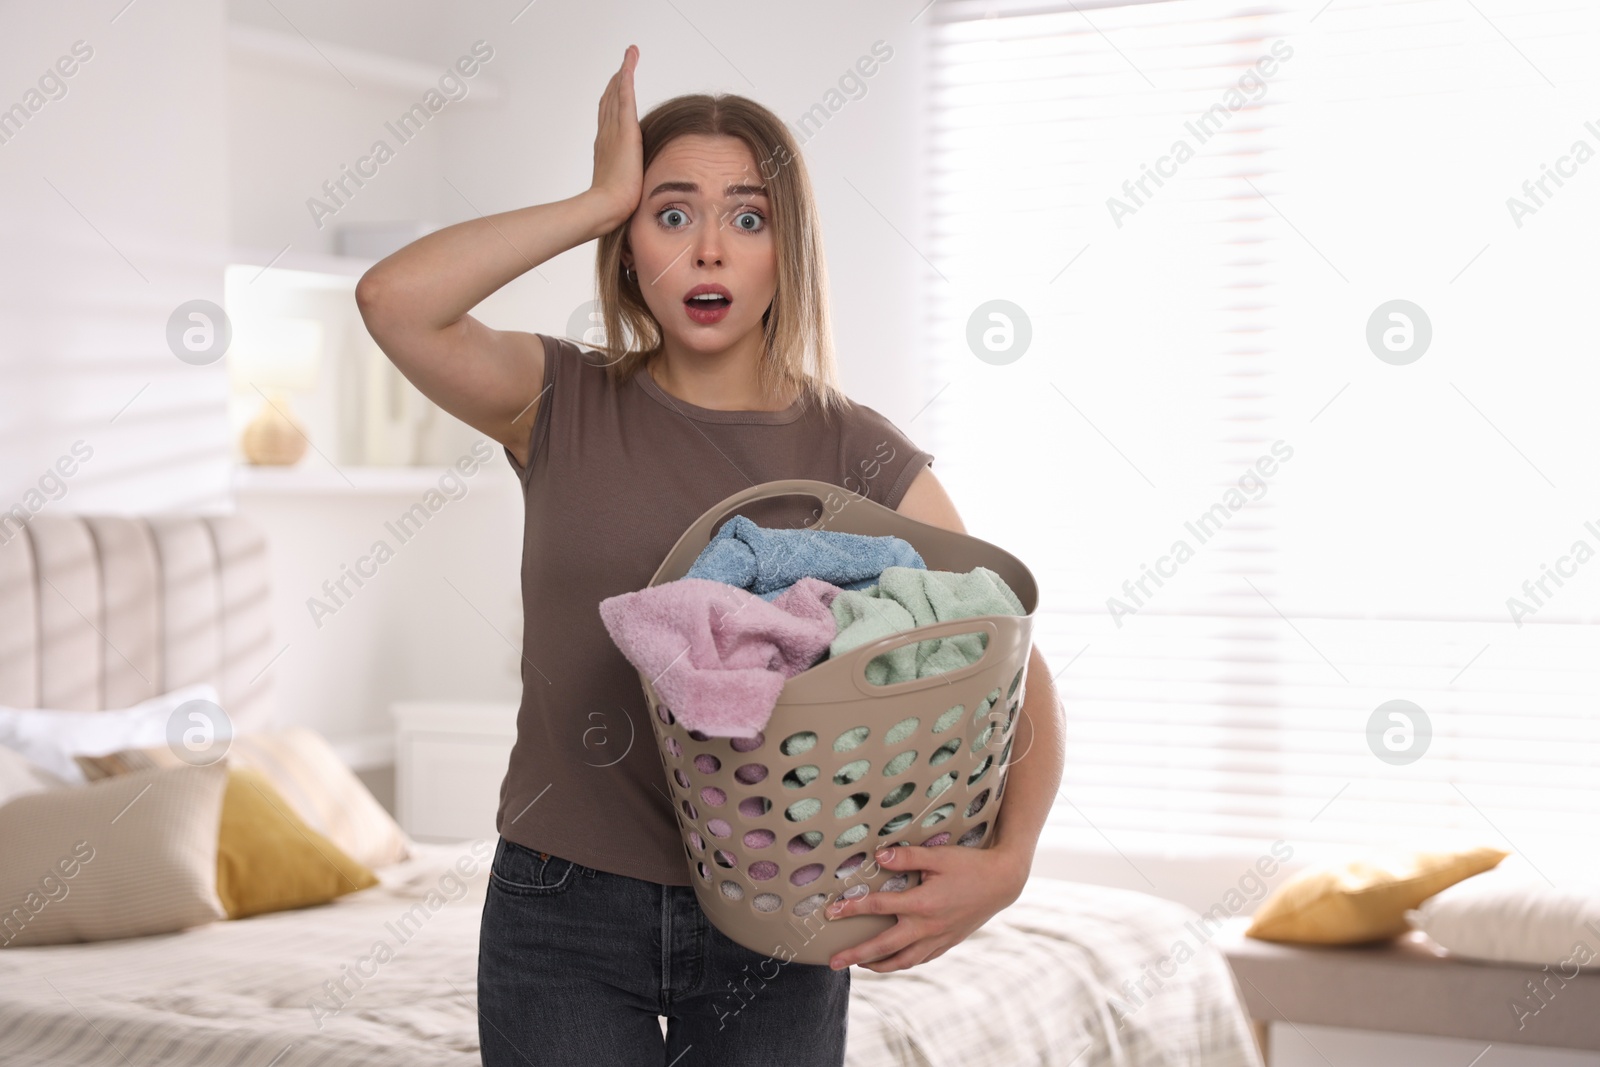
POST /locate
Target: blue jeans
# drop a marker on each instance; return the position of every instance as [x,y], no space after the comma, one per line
[575,965]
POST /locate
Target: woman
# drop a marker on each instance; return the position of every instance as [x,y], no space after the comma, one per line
[591,929]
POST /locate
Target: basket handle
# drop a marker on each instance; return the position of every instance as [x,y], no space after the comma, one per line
[699,533]
[730,506]
[866,653]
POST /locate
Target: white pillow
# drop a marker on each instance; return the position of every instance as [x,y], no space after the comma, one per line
[1512,915]
[19,776]
[50,737]
[126,857]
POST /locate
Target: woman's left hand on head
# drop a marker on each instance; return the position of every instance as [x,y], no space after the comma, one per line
[961,889]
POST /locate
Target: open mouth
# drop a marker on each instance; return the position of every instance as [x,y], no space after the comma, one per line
[707,303]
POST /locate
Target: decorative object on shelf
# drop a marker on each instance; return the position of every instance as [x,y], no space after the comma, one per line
[276,356]
[274,438]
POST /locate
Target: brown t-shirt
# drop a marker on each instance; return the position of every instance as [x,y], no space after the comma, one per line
[615,476]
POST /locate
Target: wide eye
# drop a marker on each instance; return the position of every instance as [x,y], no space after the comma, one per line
[660,215]
[755,226]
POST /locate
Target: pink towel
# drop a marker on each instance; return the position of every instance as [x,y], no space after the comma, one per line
[717,654]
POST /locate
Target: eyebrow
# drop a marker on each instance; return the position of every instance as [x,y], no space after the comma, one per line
[693,187]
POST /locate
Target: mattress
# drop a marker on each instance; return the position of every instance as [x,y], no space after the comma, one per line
[1068,975]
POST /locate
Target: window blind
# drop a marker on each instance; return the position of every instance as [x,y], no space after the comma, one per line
[1253,527]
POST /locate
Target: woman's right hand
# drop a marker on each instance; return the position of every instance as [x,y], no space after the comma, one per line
[619,146]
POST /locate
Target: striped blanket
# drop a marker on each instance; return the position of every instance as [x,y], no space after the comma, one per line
[1068,975]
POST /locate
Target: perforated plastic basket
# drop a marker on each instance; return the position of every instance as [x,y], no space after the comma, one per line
[778,826]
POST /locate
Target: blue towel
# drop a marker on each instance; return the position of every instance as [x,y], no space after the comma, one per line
[766,562]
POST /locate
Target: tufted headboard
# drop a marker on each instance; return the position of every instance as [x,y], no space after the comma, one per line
[105,611]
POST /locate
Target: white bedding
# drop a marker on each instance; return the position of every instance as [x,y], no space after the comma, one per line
[1042,983]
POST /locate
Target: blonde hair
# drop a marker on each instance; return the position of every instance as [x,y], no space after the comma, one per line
[797,324]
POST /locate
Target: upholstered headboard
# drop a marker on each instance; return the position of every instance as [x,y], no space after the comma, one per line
[102,612]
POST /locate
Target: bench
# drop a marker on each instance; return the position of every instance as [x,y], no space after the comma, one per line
[1408,986]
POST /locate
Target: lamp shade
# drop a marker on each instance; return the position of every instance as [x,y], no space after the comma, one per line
[276,353]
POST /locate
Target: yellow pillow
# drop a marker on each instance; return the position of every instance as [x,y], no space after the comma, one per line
[1362,900]
[268,859]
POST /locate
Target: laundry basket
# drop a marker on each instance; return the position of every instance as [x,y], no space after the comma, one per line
[777,826]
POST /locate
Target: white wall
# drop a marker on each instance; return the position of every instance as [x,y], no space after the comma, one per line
[440,619]
[116,212]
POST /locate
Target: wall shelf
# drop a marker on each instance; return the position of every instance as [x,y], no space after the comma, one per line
[342,63]
[311,269]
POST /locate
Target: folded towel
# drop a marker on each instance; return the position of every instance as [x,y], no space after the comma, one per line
[905,598]
[717,655]
[766,561]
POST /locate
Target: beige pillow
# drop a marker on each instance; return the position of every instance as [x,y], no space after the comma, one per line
[1363,900]
[312,778]
[127,857]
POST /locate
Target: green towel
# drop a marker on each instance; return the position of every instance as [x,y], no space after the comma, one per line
[908,597]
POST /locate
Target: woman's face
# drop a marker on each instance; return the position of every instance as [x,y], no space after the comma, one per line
[704,221]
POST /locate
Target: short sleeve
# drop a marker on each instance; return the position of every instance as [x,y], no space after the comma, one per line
[880,461]
[552,359]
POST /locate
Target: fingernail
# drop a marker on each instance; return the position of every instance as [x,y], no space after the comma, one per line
[886,856]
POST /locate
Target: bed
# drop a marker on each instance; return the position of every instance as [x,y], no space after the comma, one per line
[1042,983]
[1070,974]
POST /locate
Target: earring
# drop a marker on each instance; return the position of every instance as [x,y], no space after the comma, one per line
[630,273]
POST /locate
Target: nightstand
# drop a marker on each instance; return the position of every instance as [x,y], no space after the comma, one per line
[450,758]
